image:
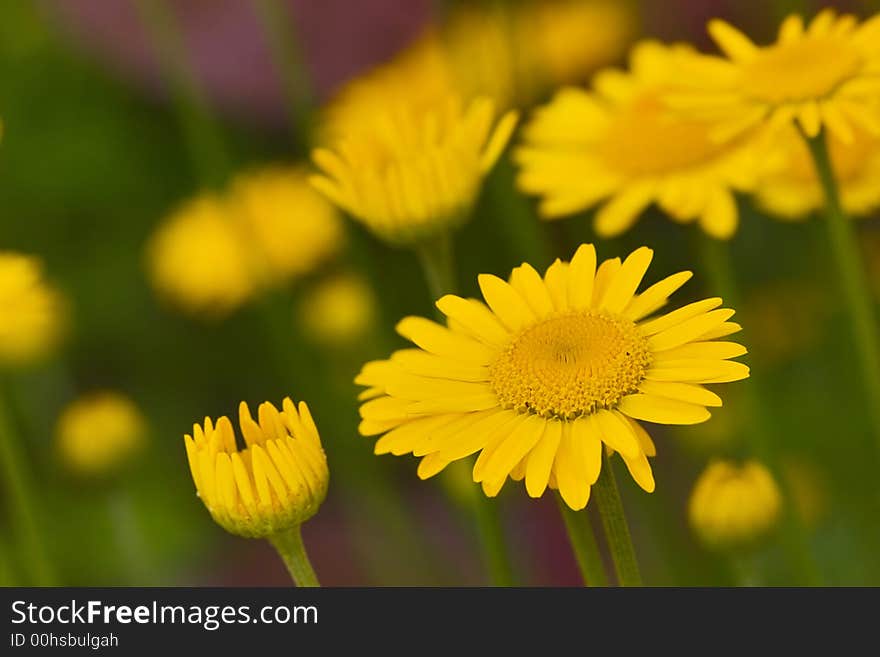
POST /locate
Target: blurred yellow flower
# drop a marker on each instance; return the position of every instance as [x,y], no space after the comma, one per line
[733,505]
[419,172]
[292,227]
[99,432]
[619,142]
[33,311]
[565,41]
[199,260]
[510,54]
[275,483]
[793,191]
[548,371]
[338,311]
[824,74]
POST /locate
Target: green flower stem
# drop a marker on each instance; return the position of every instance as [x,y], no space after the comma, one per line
[854,282]
[202,135]
[583,544]
[745,573]
[21,496]
[290,546]
[438,263]
[616,528]
[288,57]
[761,435]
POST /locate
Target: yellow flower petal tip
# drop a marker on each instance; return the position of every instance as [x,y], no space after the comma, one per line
[99,432]
[733,505]
[276,482]
[536,379]
[619,146]
[34,312]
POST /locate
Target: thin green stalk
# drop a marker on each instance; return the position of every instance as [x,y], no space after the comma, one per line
[438,264]
[853,280]
[616,528]
[202,136]
[290,546]
[288,57]
[21,496]
[583,544]
[761,436]
[745,573]
[129,539]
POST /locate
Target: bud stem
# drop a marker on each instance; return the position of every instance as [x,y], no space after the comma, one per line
[290,546]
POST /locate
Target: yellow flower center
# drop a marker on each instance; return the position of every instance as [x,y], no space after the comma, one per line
[643,139]
[808,69]
[571,365]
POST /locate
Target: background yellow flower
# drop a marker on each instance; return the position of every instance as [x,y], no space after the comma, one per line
[32,310]
[97,433]
[618,144]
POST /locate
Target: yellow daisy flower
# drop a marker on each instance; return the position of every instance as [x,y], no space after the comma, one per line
[198,259]
[547,370]
[32,310]
[823,74]
[733,505]
[276,482]
[793,191]
[338,311]
[418,172]
[292,227]
[619,142]
[98,432]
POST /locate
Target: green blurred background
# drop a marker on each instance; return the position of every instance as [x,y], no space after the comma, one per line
[94,155]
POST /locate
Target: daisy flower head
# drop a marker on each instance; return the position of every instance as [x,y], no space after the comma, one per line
[276,482]
[548,370]
[418,171]
[733,505]
[793,191]
[824,74]
[198,259]
[618,144]
[99,432]
[293,229]
[34,312]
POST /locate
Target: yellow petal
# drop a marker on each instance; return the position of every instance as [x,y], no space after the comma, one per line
[685,392]
[439,340]
[625,283]
[540,461]
[505,302]
[514,448]
[678,316]
[640,470]
[581,274]
[531,287]
[556,280]
[734,43]
[475,317]
[660,410]
[655,296]
[621,212]
[689,330]
[616,432]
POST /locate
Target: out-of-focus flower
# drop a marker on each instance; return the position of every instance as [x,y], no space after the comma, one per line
[565,41]
[275,483]
[548,371]
[199,259]
[292,227]
[734,505]
[619,142]
[417,174]
[99,432]
[793,191]
[338,311]
[824,74]
[32,310]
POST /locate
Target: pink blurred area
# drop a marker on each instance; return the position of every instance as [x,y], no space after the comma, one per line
[228,48]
